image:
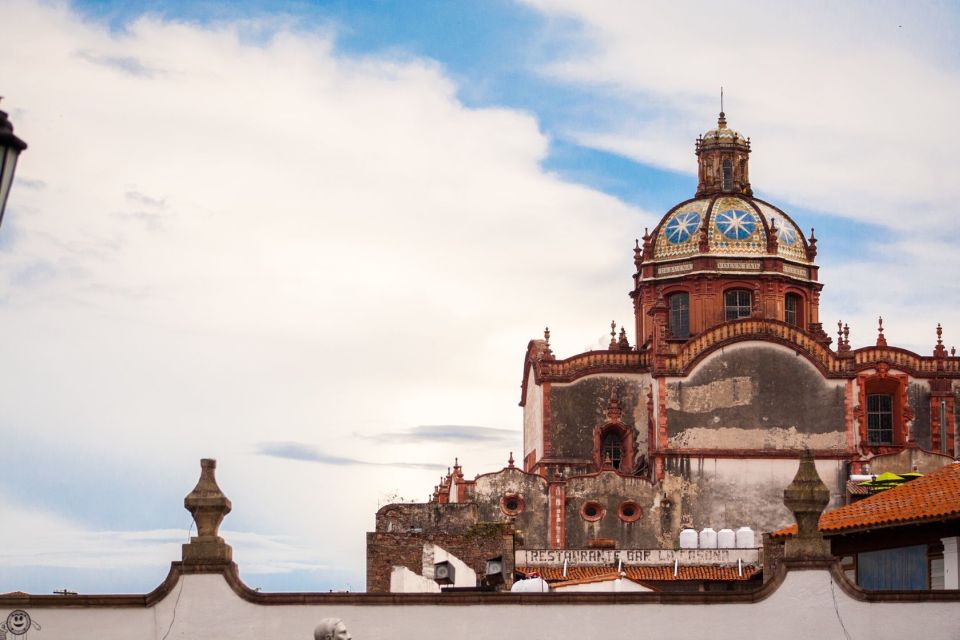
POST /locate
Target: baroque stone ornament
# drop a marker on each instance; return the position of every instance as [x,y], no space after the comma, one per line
[208,506]
[806,497]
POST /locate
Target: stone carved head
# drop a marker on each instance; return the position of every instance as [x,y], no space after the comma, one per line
[331,629]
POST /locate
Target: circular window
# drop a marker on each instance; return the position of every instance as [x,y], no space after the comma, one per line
[591,511]
[629,511]
[512,504]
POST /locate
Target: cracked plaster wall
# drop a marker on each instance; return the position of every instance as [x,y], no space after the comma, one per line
[755,396]
[578,408]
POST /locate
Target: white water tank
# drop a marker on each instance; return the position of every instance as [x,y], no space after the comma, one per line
[688,539]
[530,585]
[726,539]
[746,538]
[708,538]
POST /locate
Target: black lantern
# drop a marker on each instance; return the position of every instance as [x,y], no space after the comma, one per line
[10,148]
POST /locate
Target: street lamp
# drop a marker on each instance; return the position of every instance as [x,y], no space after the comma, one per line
[10,148]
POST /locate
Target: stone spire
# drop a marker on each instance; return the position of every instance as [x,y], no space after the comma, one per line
[806,497]
[208,506]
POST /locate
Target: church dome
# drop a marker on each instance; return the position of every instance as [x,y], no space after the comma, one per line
[727,225]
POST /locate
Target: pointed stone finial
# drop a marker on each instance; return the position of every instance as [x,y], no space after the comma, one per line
[839,333]
[637,254]
[811,246]
[208,506]
[510,461]
[547,353]
[881,340]
[622,341]
[939,351]
[806,497]
[846,335]
[613,335]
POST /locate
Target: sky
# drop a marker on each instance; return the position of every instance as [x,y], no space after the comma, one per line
[312,239]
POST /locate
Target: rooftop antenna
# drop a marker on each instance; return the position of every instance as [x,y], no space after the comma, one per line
[721,98]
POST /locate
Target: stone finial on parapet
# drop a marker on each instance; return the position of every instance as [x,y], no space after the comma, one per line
[208,506]
[806,497]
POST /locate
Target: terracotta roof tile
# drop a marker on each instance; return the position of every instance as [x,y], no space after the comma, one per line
[932,497]
[641,573]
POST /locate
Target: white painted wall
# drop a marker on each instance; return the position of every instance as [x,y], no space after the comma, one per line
[402,580]
[807,605]
[463,575]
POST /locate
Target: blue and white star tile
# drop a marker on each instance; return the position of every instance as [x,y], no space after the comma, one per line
[736,224]
[682,226]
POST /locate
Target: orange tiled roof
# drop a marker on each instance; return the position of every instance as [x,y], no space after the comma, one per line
[583,575]
[932,497]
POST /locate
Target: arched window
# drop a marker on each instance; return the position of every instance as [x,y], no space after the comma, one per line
[793,309]
[612,447]
[680,314]
[737,303]
[727,175]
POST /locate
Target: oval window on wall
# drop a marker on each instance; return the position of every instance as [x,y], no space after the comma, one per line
[592,511]
[512,504]
[629,511]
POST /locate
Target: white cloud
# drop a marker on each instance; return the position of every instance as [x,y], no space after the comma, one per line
[220,240]
[35,538]
[850,107]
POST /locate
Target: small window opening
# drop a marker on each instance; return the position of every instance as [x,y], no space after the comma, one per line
[680,314]
[880,419]
[612,447]
[727,175]
[792,309]
[944,427]
[738,304]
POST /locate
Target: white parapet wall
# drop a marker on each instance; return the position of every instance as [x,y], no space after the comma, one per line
[801,603]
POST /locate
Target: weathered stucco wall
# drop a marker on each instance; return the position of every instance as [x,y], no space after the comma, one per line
[533,419]
[490,488]
[426,517]
[610,490]
[731,493]
[808,604]
[755,396]
[578,408]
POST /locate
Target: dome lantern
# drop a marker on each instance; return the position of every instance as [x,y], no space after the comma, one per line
[723,155]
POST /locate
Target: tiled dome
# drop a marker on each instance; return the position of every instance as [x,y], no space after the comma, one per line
[736,225]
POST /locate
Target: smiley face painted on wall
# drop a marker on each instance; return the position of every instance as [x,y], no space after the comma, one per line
[18,623]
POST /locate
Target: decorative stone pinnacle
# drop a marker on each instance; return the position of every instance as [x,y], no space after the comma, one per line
[613,406]
[510,460]
[208,506]
[881,340]
[939,351]
[806,497]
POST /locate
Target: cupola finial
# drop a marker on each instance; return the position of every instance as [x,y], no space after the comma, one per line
[722,120]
